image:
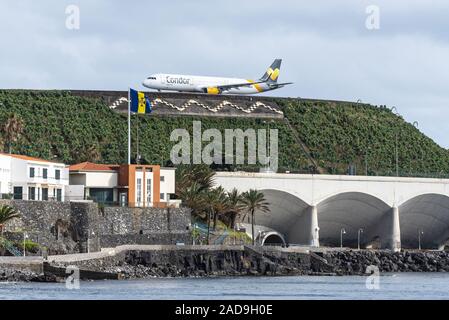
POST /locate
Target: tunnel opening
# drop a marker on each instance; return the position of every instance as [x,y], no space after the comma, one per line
[273,239]
[351,218]
[285,210]
[424,221]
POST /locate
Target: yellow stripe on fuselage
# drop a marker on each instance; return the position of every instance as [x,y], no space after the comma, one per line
[141,105]
[256,85]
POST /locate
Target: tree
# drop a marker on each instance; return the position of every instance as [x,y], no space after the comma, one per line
[13,129]
[234,207]
[193,198]
[220,203]
[253,201]
[6,214]
[187,175]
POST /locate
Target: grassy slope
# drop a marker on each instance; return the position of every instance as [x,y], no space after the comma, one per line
[339,133]
[73,129]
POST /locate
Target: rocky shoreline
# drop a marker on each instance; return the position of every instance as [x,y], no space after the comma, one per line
[247,262]
[14,275]
[356,262]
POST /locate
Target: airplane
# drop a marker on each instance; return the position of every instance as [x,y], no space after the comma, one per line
[216,85]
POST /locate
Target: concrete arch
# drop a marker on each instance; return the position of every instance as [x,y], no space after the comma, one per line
[285,210]
[352,211]
[273,237]
[428,213]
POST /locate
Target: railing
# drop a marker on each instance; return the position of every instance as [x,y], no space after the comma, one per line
[8,245]
[371,173]
[101,204]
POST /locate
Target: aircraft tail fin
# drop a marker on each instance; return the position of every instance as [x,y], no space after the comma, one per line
[272,73]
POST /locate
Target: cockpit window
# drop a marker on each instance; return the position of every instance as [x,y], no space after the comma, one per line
[151,78]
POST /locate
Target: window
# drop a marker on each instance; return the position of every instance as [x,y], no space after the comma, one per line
[102,195]
[45,194]
[162,196]
[31,193]
[45,173]
[139,190]
[31,172]
[162,178]
[148,188]
[57,174]
[18,193]
[58,194]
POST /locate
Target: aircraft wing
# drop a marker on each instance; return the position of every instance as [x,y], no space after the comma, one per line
[277,85]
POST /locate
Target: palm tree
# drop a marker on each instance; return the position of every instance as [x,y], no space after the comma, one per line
[252,201]
[234,205]
[7,213]
[220,204]
[13,129]
[187,175]
[193,198]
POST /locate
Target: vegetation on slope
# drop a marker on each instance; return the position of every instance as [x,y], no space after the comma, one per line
[57,125]
[339,134]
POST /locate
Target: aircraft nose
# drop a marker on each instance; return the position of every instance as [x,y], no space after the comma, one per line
[145,83]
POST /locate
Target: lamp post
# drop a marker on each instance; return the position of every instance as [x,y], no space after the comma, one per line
[342,232]
[420,233]
[397,155]
[359,232]
[25,236]
[396,142]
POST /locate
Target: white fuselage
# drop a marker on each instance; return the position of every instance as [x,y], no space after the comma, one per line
[188,83]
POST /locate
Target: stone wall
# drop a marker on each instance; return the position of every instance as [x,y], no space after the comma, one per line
[196,261]
[121,225]
[60,227]
[77,227]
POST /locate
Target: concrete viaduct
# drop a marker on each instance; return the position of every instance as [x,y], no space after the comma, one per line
[313,209]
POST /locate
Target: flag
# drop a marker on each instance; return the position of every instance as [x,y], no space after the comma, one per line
[139,103]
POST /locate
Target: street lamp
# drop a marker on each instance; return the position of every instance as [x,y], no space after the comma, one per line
[25,236]
[359,232]
[342,232]
[396,142]
[420,233]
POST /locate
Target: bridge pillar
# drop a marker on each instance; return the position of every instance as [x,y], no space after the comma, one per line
[394,236]
[314,231]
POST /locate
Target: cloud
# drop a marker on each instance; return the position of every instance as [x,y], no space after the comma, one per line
[328,52]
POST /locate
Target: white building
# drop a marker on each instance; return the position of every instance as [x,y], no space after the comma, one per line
[28,178]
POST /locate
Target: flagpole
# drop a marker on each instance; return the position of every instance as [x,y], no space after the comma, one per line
[129,126]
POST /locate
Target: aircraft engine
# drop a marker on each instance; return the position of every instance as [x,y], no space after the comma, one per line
[212,90]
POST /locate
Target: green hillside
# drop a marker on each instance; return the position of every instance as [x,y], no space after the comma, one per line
[339,134]
[59,125]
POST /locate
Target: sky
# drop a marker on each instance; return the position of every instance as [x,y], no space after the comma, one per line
[330,49]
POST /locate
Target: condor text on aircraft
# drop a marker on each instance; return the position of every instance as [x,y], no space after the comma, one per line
[216,85]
